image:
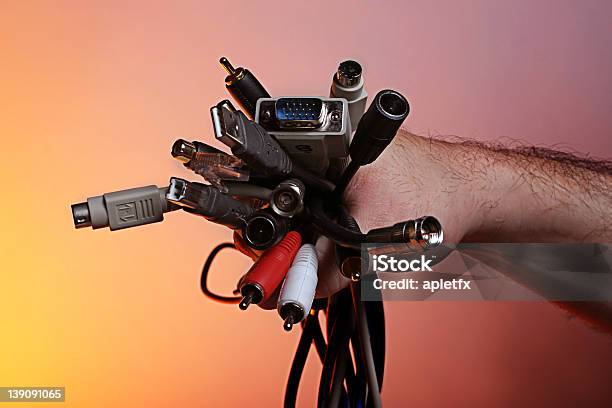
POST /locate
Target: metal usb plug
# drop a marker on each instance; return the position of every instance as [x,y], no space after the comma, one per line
[209,202]
[226,124]
[182,194]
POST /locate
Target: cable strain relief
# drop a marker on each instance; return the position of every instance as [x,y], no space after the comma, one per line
[399,232]
[392,234]
[348,221]
[378,235]
[290,243]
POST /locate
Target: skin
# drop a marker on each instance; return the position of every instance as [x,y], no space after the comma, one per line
[479,194]
[482,193]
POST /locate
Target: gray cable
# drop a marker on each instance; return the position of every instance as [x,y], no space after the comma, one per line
[366,347]
[338,378]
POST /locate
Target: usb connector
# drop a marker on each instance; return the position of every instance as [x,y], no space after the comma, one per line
[257,148]
[182,194]
[227,124]
[249,141]
[209,202]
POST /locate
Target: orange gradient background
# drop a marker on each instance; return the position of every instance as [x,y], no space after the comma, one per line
[93,93]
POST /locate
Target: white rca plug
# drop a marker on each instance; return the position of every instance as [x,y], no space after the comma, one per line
[298,290]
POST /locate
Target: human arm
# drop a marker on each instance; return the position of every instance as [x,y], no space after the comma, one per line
[479,193]
[486,193]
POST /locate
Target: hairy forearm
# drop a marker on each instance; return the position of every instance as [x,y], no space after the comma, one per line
[547,196]
[487,193]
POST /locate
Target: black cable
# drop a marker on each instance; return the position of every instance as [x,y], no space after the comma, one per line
[366,348]
[311,333]
[375,317]
[321,348]
[349,375]
[330,314]
[345,179]
[358,391]
[421,233]
[311,179]
[328,227]
[359,387]
[330,352]
[340,305]
[375,314]
[206,270]
[319,341]
[328,364]
[299,360]
[338,377]
[343,367]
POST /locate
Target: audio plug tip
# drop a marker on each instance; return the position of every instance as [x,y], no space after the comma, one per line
[227,65]
[288,323]
[246,301]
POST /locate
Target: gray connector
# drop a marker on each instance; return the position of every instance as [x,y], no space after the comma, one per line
[123,209]
[287,199]
[312,130]
[348,84]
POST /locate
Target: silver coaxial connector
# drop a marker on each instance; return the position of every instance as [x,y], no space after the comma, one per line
[288,198]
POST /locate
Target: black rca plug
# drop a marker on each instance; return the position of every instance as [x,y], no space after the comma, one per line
[243,86]
[263,229]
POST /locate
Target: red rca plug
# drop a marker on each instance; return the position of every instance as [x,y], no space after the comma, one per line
[268,272]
